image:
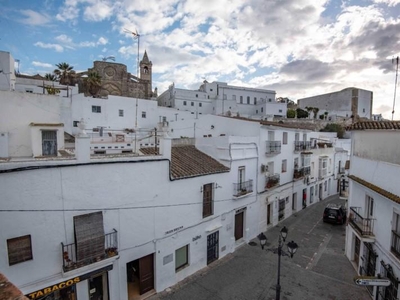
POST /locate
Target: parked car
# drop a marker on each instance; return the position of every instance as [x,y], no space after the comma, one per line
[334,213]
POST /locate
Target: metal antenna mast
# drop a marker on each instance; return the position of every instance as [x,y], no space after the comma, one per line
[396,61]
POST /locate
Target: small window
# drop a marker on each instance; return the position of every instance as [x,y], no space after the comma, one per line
[211,90]
[280,110]
[256,111]
[255,100]
[96,109]
[143,115]
[241,99]
[181,258]
[184,103]
[19,249]
[269,100]
[262,109]
[197,95]
[285,135]
[208,96]
[75,123]
[200,104]
[121,112]
[363,110]
[29,91]
[248,99]
[192,103]
[284,165]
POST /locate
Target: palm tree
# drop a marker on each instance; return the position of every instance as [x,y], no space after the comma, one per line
[50,77]
[315,111]
[93,83]
[64,73]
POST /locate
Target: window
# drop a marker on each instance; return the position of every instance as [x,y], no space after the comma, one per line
[181,258]
[255,100]
[211,90]
[248,99]
[200,104]
[96,109]
[75,123]
[284,138]
[197,95]
[192,103]
[284,165]
[29,91]
[19,249]
[242,177]
[184,103]
[208,96]
[121,112]
[207,200]
[269,100]
[256,111]
[369,206]
[143,115]
[262,109]
[363,110]
[234,97]
[325,185]
[280,110]
[241,99]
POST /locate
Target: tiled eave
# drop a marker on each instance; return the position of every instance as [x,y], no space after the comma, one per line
[376,189]
[374,125]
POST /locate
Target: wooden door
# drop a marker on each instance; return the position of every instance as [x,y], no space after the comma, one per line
[146,273]
[239,225]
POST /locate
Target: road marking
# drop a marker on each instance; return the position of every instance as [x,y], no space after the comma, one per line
[314,226]
[317,255]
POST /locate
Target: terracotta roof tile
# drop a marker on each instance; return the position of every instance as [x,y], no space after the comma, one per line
[374,125]
[149,151]
[187,161]
[8,291]
[376,189]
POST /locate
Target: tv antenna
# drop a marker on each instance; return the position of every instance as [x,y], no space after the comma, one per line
[396,61]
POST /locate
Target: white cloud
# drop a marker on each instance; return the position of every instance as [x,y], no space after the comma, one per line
[98,11]
[34,18]
[56,47]
[388,2]
[102,41]
[64,39]
[69,11]
[41,64]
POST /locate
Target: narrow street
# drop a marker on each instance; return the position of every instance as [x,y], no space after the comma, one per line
[319,269]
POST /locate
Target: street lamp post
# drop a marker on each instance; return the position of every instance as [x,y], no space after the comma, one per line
[292,248]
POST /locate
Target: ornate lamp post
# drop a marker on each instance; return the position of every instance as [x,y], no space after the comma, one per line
[291,248]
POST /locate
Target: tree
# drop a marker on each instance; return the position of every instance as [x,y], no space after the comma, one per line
[291,113]
[333,127]
[93,83]
[301,113]
[65,73]
[50,77]
[326,115]
[309,109]
[315,111]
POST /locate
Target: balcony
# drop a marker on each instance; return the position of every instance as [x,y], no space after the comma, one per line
[301,172]
[395,245]
[302,146]
[364,226]
[272,181]
[242,188]
[273,147]
[69,253]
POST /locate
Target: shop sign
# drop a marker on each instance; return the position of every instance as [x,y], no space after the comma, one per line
[174,230]
[66,283]
[196,238]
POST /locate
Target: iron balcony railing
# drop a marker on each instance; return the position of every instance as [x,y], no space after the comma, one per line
[272,181]
[69,257]
[302,146]
[364,226]
[301,172]
[273,147]
[243,188]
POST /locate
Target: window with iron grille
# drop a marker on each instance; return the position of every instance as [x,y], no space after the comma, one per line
[19,249]
[143,115]
[121,112]
[390,292]
[208,201]
[96,109]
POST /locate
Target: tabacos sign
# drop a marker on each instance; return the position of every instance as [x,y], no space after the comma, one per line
[53,288]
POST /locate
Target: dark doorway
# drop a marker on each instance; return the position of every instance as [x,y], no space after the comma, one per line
[49,143]
[239,225]
[98,287]
[212,247]
[269,214]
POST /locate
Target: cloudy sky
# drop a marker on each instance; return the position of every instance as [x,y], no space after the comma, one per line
[298,48]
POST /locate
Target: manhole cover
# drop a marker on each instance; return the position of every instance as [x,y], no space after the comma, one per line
[253,244]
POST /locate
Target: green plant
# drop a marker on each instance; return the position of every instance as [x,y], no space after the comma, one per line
[291,113]
[301,113]
[333,127]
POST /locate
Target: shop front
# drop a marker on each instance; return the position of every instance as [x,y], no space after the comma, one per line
[95,282]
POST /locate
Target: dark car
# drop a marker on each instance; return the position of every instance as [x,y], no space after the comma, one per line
[334,213]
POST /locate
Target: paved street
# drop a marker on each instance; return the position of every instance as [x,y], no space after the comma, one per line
[319,269]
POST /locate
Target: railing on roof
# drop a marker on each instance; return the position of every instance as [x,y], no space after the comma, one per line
[302,146]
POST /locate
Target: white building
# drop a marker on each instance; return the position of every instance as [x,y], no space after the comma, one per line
[345,103]
[219,98]
[373,233]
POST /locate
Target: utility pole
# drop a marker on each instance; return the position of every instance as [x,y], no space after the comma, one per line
[396,61]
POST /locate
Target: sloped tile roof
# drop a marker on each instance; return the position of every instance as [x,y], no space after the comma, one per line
[365,125]
[149,151]
[187,161]
[376,189]
[9,291]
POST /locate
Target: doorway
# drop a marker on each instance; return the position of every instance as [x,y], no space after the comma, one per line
[98,287]
[294,202]
[239,218]
[320,192]
[212,247]
[140,276]
[269,214]
[357,251]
